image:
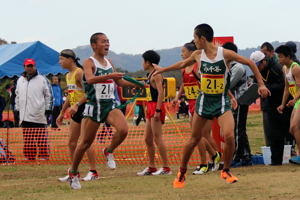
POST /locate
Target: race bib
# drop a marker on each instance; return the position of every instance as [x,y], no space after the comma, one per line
[293,90]
[105,90]
[191,91]
[148,93]
[212,84]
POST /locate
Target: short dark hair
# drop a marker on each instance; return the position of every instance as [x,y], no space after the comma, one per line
[190,46]
[94,37]
[230,46]
[205,30]
[285,50]
[151,56]
[268,45]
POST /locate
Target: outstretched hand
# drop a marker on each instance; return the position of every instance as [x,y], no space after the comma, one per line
[158,69]
[116,75]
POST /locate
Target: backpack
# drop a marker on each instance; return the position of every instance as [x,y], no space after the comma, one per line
[6,156]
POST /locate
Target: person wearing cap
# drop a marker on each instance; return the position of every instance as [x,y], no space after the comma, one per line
[272,120]
[34,101]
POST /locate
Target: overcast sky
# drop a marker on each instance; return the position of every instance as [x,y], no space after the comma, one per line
[134,26]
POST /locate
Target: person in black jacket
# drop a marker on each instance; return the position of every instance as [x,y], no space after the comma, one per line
[272,74]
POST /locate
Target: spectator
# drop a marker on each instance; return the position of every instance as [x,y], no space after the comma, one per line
[34,102]
[238,85]
[2,107]
[272,75]
[58,100]
[13,103]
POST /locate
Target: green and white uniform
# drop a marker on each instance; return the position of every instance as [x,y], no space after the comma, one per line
[101,97]
[213,99]
[293,87]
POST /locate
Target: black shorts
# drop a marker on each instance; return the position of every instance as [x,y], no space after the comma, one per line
[78,116]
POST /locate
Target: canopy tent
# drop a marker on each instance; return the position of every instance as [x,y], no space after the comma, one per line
[12,57]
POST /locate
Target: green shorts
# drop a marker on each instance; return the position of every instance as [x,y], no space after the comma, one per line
[296,106]
[98,111]
[208,106]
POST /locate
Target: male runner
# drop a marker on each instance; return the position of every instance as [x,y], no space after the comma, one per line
[291,71]
[100,81]
[213,101]
[155,117]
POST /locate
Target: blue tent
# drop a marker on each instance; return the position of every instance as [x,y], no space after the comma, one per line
[12,57]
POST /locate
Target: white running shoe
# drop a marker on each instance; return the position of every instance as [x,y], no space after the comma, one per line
[110,159]
[74,182]
[90,176]
[146,172]
[162,171]
[64,179]
[200,170]
[216,161]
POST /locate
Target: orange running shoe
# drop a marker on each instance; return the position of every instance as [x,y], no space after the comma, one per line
[179,180]
[227,175]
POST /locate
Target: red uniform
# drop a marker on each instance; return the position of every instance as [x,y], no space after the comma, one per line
[191,87]
[151,104]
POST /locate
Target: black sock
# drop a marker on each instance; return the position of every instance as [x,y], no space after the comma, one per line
[93,171]
[226,170]
[203,165]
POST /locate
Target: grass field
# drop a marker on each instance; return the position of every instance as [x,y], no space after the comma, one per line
[255,182]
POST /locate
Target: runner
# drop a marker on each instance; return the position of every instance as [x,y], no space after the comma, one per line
[291,71]
[213,100]
[76,100]
[190,87]
[100,81]
[155,117]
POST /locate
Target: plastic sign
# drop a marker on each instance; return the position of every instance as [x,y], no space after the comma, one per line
[169,89]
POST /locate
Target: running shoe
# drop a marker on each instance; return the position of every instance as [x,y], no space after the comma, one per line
[147,171]
[90,176]
[74,181]
[216,161]
[64,179]
[179,181]
[227,175]
[110,159]
[162,171]
[200,170]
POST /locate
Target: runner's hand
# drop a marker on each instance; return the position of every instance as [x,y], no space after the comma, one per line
[291,103]
[158,69]
[157,116]
[73,109]
[280,109]
[263,91]
[116,75]
[234,103]
[59,119]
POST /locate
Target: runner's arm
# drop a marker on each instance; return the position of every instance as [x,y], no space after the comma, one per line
[180,92]
[89,68]
[232,56]
[159,86]
[179,65]
[296,74]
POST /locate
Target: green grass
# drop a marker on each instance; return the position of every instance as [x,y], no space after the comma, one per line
[256,182]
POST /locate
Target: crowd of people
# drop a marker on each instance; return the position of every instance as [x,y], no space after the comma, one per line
[215,85]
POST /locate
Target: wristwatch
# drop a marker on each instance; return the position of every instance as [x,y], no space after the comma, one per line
[158,110]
